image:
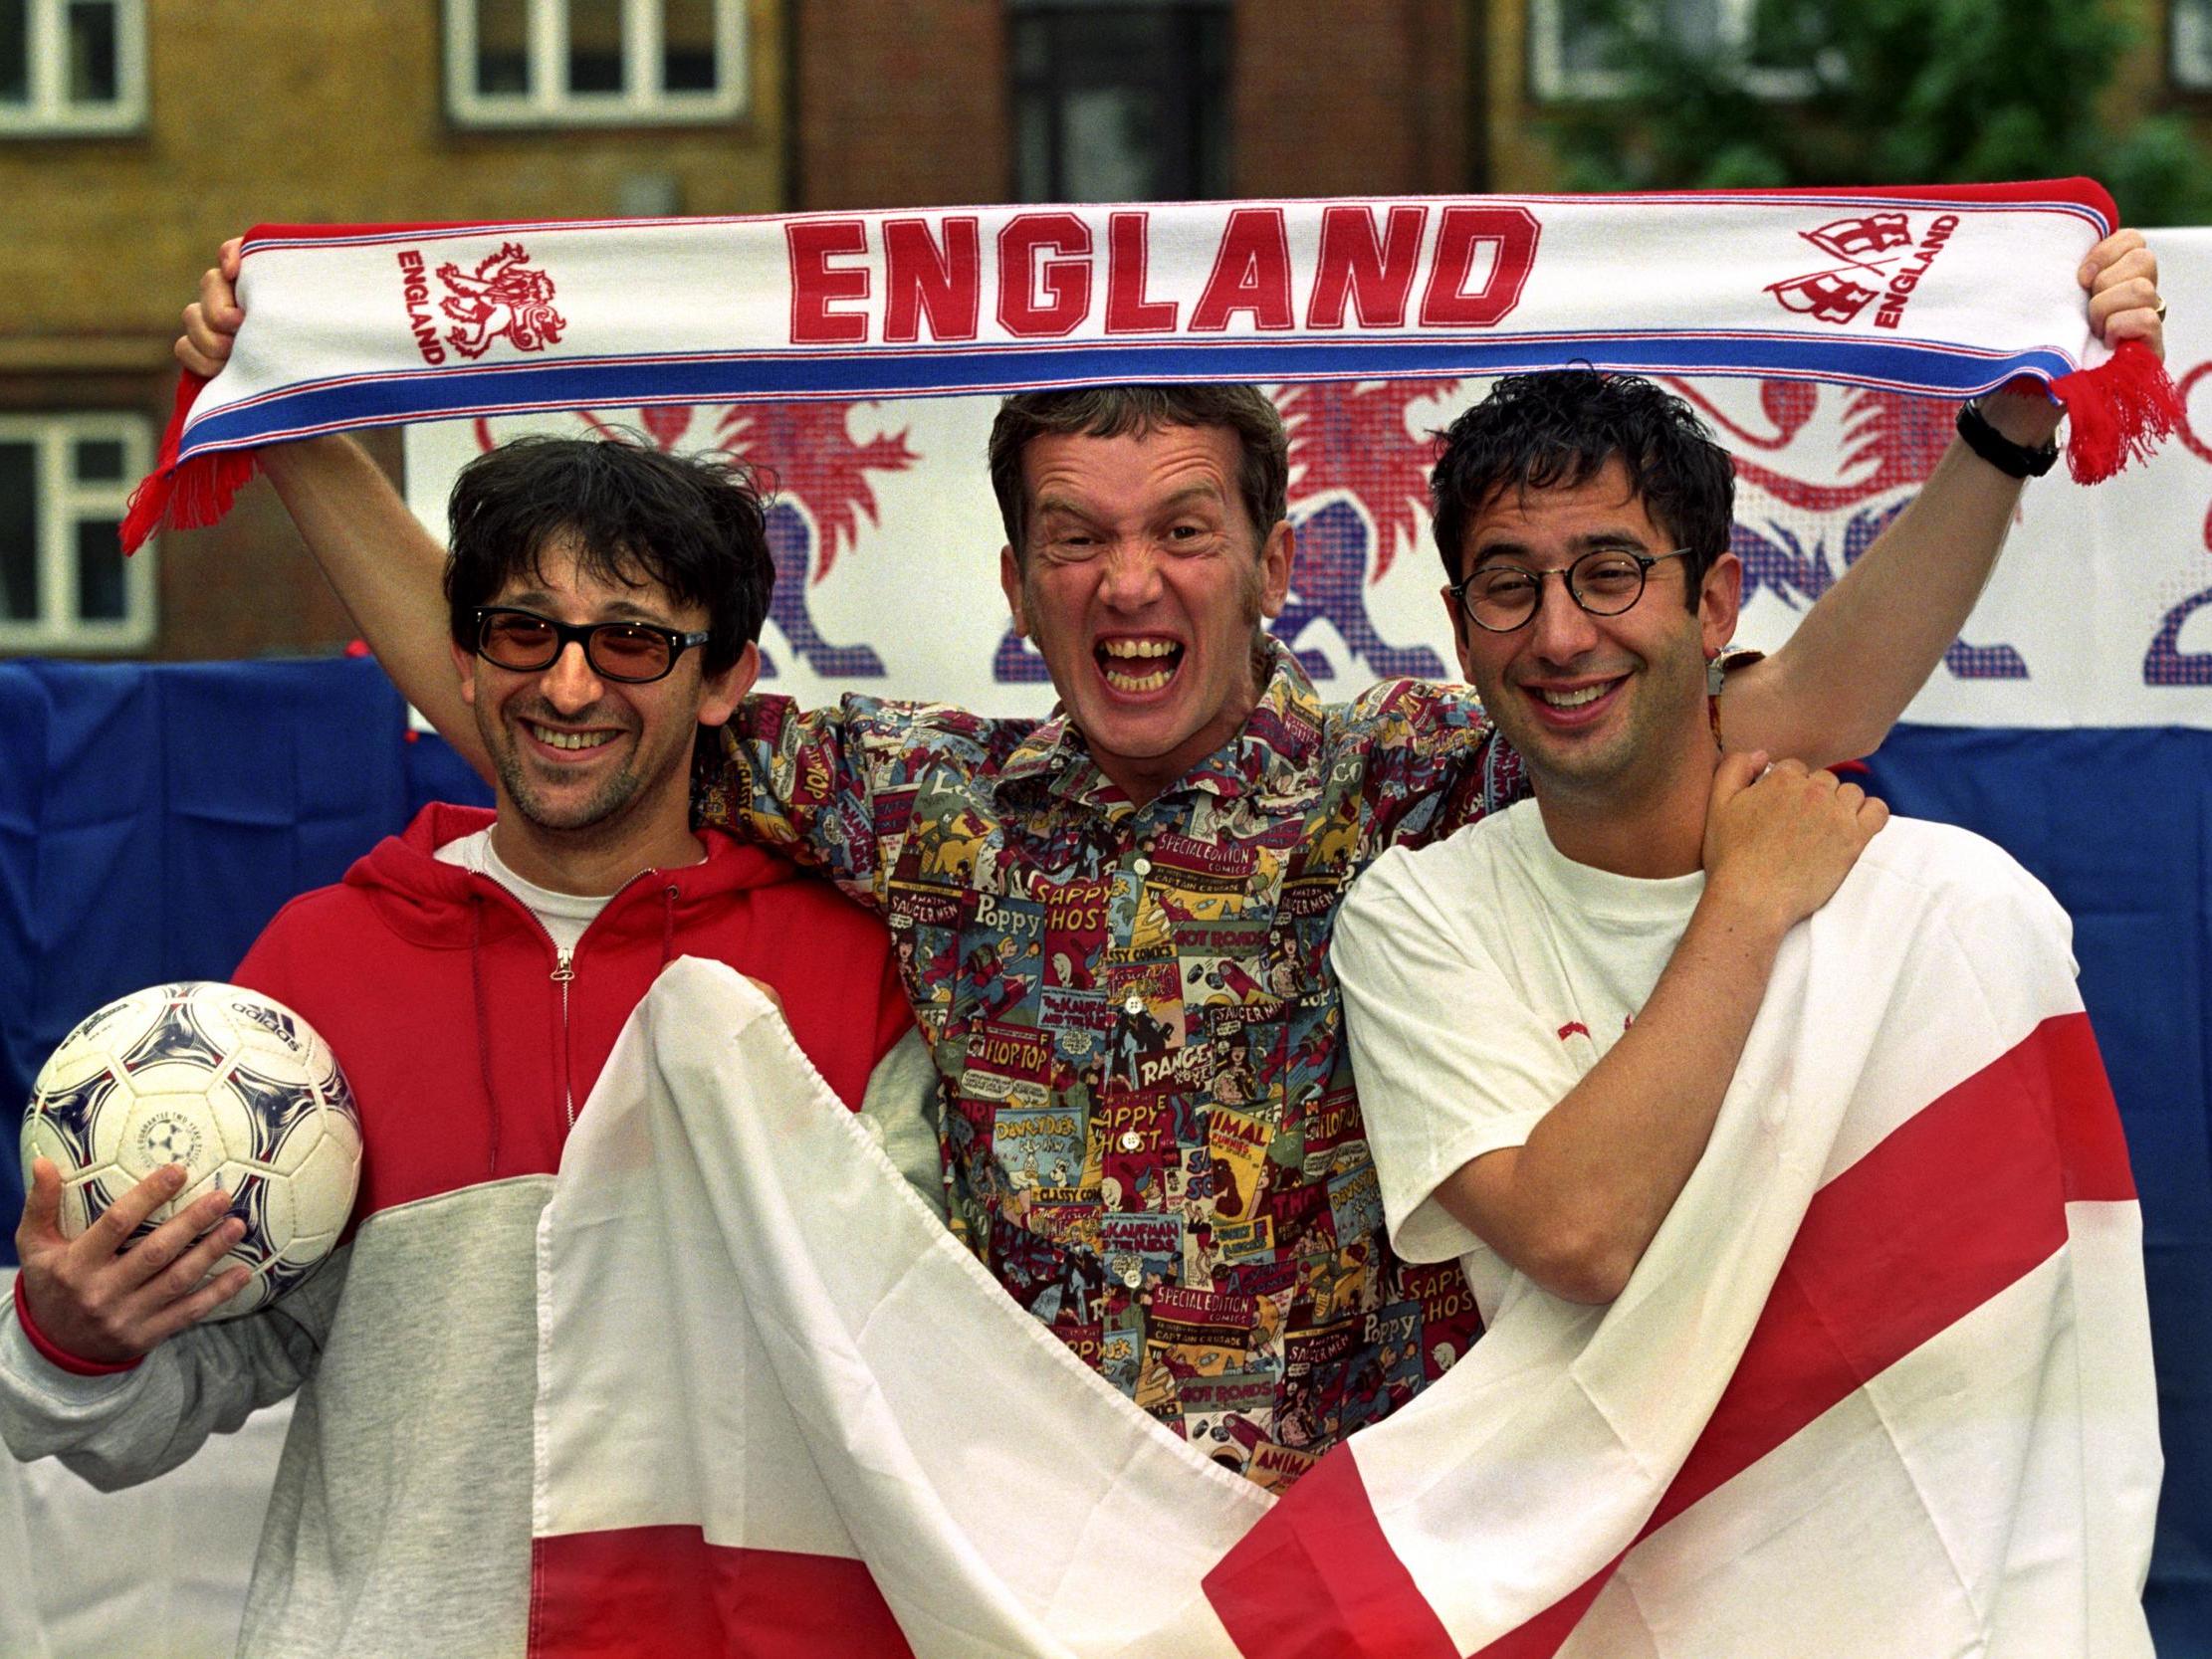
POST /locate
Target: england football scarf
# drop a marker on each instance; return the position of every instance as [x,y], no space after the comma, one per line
[1943,290]
[1882,1383]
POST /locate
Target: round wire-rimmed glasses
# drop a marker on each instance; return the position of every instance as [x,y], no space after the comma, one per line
[1605,581]
[631,652]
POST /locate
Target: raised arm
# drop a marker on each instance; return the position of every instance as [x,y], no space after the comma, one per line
[1833,692]
[387,569]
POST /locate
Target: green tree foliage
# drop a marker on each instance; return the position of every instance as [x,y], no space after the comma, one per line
[1871,91]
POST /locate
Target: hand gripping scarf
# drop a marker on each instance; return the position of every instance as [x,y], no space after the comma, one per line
[1950,290]
[1882,1383]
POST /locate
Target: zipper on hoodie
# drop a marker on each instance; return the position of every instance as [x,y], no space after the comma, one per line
[564,972]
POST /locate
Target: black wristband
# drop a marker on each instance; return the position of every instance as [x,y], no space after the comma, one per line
[2011,459]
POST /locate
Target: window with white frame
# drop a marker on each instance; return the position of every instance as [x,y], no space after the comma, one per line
[517,62]
[71,66]
[2190,43]
[64,481]
[1578,49]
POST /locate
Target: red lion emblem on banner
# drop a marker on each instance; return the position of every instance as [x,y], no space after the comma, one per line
[1798,542]
[506,297]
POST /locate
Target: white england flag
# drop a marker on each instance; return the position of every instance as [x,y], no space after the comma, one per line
[1882,1386]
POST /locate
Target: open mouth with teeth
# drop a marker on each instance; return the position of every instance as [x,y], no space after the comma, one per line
[1571,705]
[1575,698]
[1134,667]
[568,741]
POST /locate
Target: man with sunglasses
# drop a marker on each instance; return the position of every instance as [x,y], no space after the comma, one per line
[471,974]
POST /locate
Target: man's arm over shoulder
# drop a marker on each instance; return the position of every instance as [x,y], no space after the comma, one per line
[1434,760]
[834,787]
[797,781]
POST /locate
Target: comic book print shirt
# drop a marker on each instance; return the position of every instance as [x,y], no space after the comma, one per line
[1148,1126]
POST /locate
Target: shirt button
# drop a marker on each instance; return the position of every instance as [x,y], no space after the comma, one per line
[1131,1141]
[1134,1005]
[1143,867]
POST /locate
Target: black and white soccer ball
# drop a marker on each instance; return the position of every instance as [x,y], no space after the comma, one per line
[235,1087]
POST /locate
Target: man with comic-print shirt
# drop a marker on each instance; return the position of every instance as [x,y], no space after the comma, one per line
[1055,886]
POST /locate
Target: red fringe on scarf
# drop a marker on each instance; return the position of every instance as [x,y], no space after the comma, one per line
[2118,412]
[189,497]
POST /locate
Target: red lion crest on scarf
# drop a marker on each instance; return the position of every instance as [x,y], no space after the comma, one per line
[505,297]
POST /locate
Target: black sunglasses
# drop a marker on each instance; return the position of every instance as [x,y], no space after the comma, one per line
[630,653]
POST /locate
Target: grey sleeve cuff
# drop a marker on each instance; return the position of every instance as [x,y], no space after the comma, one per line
[129,1427]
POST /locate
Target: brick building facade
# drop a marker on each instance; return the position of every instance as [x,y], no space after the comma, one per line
[231,113]
[922,102]
[134,134]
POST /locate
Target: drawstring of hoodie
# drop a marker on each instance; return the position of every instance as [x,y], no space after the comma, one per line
[668,923]
[483,1020]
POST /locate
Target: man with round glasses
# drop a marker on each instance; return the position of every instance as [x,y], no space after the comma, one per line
[1548,1009]
[1605,581]
[472,974]
[1600,680]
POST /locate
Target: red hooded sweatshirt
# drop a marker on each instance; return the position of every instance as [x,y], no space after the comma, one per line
[471,1049]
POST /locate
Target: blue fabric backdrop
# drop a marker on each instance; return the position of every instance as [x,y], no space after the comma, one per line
[153,818]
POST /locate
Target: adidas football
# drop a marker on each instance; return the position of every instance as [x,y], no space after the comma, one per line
[232,1086]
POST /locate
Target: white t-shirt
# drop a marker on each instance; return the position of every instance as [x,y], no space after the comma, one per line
[565,914]
[1484,976]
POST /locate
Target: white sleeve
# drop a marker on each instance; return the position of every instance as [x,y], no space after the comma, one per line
[1451,1063]
[129,1427]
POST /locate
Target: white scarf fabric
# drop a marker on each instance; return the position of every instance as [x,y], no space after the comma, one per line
[1947,289]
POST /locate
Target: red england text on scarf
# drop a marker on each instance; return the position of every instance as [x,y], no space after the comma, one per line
[903,280]
[414,290]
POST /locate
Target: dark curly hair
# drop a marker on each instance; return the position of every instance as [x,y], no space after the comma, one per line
[1557,430]
[691,524]
[1263,446]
